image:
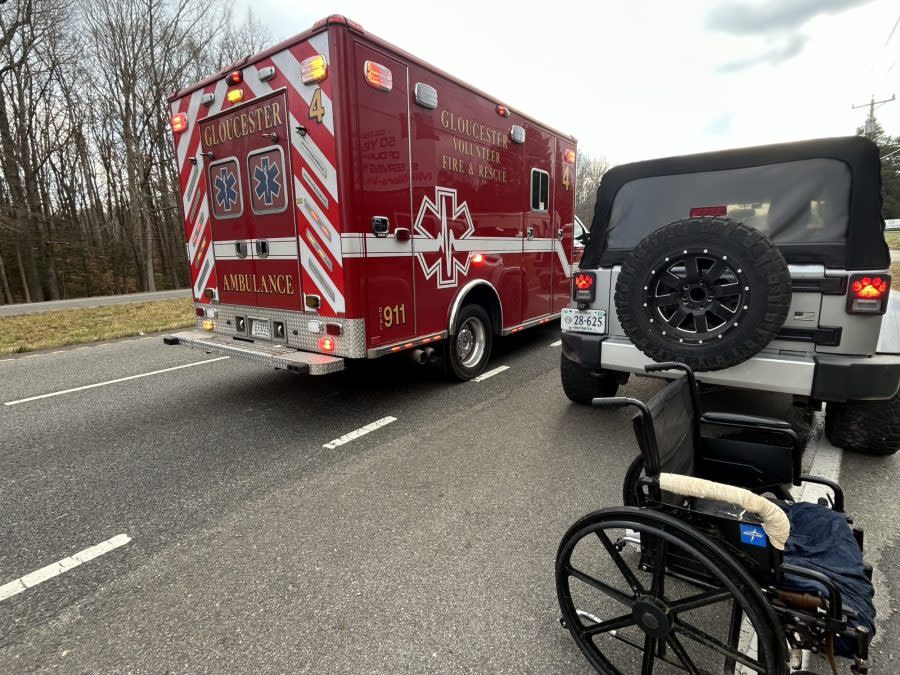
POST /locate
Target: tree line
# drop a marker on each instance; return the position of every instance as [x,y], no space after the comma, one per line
[88,183]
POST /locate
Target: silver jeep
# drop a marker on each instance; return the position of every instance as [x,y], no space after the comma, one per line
[762,268]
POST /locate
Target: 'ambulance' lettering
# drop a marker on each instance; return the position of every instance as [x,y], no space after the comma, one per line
[269,284]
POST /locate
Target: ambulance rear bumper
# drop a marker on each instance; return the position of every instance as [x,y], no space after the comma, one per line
[271,355]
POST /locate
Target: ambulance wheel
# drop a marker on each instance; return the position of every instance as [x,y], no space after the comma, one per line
[467,351]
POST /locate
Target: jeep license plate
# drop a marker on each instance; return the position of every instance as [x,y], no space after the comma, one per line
[260,329]
[584,320]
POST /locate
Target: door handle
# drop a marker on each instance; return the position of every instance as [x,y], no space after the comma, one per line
[529,233]
[262,249]
[272,136]
[240,247]
[402,234]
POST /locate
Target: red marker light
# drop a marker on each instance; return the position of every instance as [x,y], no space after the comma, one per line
[235,77]
[503,111]
[378,76]
[869,288]
[327,344]
[179,123]
[477,258]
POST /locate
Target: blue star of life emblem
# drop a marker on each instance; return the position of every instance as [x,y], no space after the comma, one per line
[226,194]
[268,187]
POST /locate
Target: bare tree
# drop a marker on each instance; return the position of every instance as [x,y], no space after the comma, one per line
[589,171]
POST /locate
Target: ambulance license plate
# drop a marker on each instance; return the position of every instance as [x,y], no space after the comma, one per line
[260,329]
[584,320]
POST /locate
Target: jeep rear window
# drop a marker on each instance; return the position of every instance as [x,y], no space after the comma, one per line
[803,202]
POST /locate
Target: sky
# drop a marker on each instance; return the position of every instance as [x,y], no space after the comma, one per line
[642,79]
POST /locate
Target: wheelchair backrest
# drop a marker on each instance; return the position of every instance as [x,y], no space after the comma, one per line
[669,439]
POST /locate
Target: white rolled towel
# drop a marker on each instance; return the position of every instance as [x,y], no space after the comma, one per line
[774,521]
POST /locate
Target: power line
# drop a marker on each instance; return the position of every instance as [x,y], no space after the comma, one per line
[896,23]
[869,127]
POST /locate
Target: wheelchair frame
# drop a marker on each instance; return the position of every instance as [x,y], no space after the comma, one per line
[668,526]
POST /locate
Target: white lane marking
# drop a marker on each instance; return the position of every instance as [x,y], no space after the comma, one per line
[353,435]
[490,373]
[60,566]
[120,379]
[556,344]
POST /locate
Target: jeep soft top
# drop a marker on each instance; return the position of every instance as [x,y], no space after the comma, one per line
[762,268]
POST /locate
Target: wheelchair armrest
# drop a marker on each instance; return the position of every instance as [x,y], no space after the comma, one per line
[748,421]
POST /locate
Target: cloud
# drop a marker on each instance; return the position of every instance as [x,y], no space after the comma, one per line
[719,125]
[740,17]
[779,50]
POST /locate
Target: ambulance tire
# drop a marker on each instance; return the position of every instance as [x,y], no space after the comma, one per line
[467,350]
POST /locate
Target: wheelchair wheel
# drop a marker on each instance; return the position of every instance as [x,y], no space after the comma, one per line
[642,592]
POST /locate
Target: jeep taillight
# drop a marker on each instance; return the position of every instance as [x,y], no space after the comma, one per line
[584,287]
[868,293]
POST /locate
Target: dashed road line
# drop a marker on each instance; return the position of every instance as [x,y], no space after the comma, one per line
[55,569]
[490,373]
[116,381]
[556,344]
[362,431]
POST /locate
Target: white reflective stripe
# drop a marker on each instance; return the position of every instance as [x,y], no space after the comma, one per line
[281,248]
[196,234]
[225,250]
[184,141]
[321,278]
[288,64]
[206,269]
[563,259]
[317,220]
[485,244]
[316,160]
[353,245]
[386,247]
[539,245]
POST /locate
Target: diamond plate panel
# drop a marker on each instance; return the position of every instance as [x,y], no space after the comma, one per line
[351,343]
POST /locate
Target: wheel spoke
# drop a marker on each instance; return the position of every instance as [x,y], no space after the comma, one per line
[630,578]
[605,626]
[709,641]
[658,586]
[672,280]
[726,290]
[715,271]
[667,299]
[700,600]
[720,310]
[677,318]
[691,269]
[682,654]
[700,323]
[601,586]
[649,655]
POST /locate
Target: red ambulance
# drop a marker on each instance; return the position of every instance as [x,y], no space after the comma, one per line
[345,200]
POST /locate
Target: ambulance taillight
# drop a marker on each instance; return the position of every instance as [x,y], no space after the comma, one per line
[179,123]
[327,344]
[313,69]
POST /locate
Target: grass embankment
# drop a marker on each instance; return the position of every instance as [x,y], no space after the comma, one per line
[895,275]
[75,326]
[893,239]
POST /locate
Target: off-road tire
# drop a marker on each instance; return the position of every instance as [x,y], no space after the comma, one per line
[582,385]
[870,427]
[762,277]
[453,365]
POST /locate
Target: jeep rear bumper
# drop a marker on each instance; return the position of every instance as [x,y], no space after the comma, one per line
[272,355]
[823,377]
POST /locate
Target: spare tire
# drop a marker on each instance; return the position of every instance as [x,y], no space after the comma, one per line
[708,292]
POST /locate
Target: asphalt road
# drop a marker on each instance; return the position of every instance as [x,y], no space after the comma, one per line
[424,546]
[97,301]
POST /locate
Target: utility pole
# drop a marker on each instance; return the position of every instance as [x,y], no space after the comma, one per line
[870,120]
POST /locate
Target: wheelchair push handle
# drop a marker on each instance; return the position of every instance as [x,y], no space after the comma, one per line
[617,402]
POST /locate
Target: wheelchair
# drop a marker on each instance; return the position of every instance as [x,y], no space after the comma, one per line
[711,567]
